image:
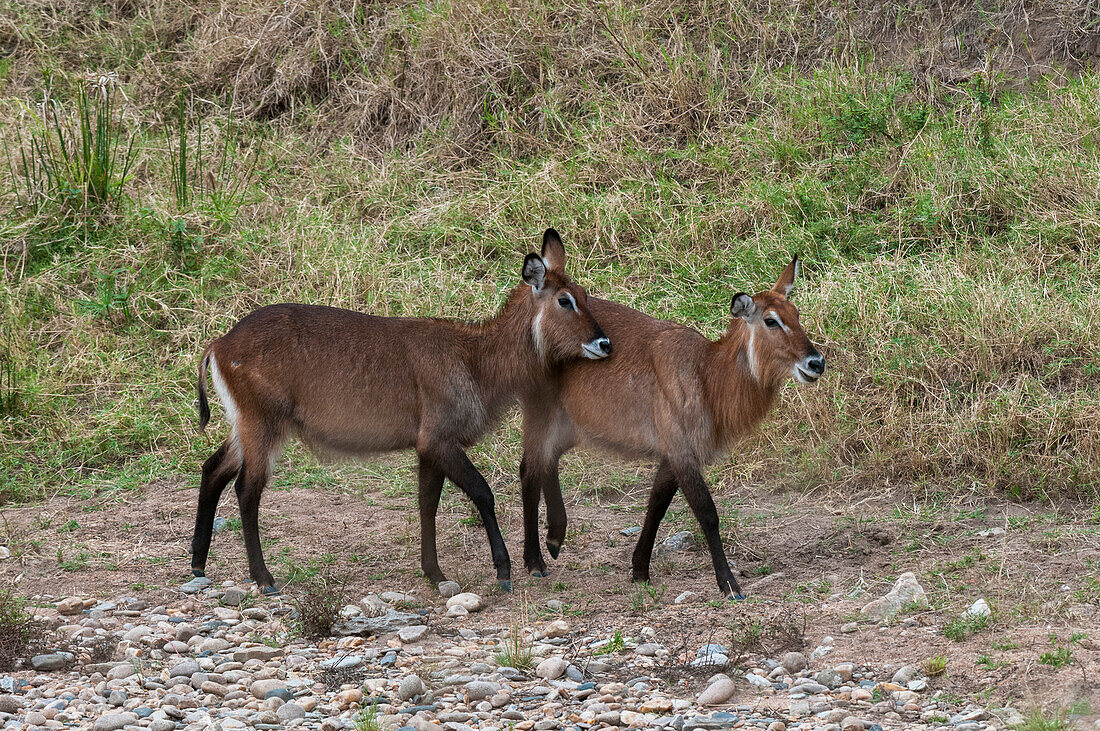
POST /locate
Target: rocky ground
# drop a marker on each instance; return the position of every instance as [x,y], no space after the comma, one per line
[219,657]
[860,614]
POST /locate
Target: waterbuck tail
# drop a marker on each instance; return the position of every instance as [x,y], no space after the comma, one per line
[204,405]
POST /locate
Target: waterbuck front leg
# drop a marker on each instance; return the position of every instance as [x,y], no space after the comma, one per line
[431,486]
[695,490]
[217,471]
[664,489]
[453,462]
[530,478]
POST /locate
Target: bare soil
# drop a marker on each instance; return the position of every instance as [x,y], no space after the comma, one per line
[818,556]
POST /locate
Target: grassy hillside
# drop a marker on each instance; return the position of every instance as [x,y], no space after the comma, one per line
[937,170]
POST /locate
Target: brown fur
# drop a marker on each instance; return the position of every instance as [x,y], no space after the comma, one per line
[668,394]
[356,384]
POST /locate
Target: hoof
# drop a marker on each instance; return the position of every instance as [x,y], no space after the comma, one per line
[735,596]
[198,573]
[269,591]
[505,585]
[539,573]
[553,548]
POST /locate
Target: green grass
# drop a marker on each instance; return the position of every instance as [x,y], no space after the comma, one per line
[949,231]
[1038,720]
[959,628]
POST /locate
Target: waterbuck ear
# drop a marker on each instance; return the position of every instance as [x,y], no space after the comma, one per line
[534,272]
[553,251]
[786,279]
[742,306]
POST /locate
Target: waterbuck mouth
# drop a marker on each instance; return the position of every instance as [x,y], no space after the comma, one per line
[805,376]
[593,352]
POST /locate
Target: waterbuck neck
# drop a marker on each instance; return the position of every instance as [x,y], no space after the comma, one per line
[501,354]
[737,399]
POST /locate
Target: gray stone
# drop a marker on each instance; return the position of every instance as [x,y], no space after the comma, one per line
[290,711]
[829,678]
[906,590]
[979,608]
[259,652]
[904,674]
[720,691]
[449,589]
[551,668]
[794,662]
[233,596]
[411,686]
[478,690]
[716,659]
[195,585]
[114,721]
[649,649]
[184,669]
[677,542]
[52,661]
[413,633]
[718,720]
[632,530]
[391,621]
[800,708]
[162,724]
[10,704]
[343,662]
[220,524]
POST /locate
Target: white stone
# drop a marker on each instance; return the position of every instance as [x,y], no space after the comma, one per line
[906,590]
[979,608]
[412,634]
[467,600]
[551,668]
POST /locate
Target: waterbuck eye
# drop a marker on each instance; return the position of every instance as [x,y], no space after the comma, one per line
[565,302]
[771,322]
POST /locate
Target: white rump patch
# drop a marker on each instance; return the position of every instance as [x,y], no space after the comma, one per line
[230,406]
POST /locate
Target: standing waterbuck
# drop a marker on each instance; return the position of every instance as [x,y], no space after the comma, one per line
[669,394]
[354,384]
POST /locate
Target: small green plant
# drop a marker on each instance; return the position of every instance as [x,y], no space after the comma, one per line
[1037,720]
[17,632]
[1057,658]
[317,601]
[646,597]
[959,628]
[78,160]
[110,298]
[616,644]
[935,666]
[516,653]
[69,527]
[368,720]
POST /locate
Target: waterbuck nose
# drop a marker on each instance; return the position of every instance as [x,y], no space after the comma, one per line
[816,363]
[604,345]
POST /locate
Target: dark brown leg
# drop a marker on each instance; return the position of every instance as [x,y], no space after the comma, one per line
[530,488]
[431,486]
[458,468]
[217,471]
[557,520]
[695,490]
[664,489]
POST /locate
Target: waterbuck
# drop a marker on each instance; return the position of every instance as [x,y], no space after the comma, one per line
[355,384]
[669,394]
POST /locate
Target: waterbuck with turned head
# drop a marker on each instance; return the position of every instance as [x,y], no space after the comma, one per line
[669,394]
[356,384]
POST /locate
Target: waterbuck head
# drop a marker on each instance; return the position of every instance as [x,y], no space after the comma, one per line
[563,328]
[778,348]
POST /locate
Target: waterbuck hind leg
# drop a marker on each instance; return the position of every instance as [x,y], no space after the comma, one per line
[699,499]
[431,486]
[251,481]
[664,489]
[217,471]
[530,479]
[458,468]
[557,521]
